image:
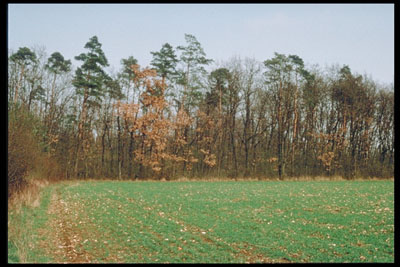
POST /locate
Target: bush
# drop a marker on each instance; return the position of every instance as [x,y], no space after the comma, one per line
[23,149]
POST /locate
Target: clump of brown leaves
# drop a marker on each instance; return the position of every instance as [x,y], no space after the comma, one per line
[162,138]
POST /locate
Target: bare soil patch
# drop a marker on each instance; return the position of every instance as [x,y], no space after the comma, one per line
[63,239]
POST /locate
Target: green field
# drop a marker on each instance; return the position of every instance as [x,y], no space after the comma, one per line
[208,222]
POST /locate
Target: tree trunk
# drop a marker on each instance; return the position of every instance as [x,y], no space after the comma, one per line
[119,148]
[294,129]
[81,131]
[19,84]
[280,156]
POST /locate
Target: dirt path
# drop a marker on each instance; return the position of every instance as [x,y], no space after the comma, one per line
[64,240]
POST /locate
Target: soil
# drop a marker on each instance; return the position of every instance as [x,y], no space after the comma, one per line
[63,240]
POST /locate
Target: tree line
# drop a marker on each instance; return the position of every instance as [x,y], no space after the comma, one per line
[243,118]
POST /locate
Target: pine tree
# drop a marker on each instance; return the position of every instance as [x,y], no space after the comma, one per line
[194,59]
[22,58]
[165,62]
[89,83]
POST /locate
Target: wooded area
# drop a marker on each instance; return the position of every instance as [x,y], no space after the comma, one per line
[244,118]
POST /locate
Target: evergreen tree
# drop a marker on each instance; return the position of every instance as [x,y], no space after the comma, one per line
[165,62]
[89,82]
[56,64]
[22,58]
[194,59]
[127,75]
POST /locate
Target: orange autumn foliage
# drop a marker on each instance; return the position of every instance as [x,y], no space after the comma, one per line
[149,123]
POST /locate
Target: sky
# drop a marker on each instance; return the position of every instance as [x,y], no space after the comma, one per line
[358,35]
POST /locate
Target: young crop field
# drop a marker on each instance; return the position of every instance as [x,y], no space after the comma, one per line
[209,222]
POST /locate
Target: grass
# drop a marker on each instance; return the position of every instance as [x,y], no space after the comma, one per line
[25,217]
[214,222]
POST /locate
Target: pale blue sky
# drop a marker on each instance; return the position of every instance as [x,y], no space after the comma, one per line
[360,35]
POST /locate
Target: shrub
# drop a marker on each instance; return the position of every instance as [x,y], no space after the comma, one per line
[23,149]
